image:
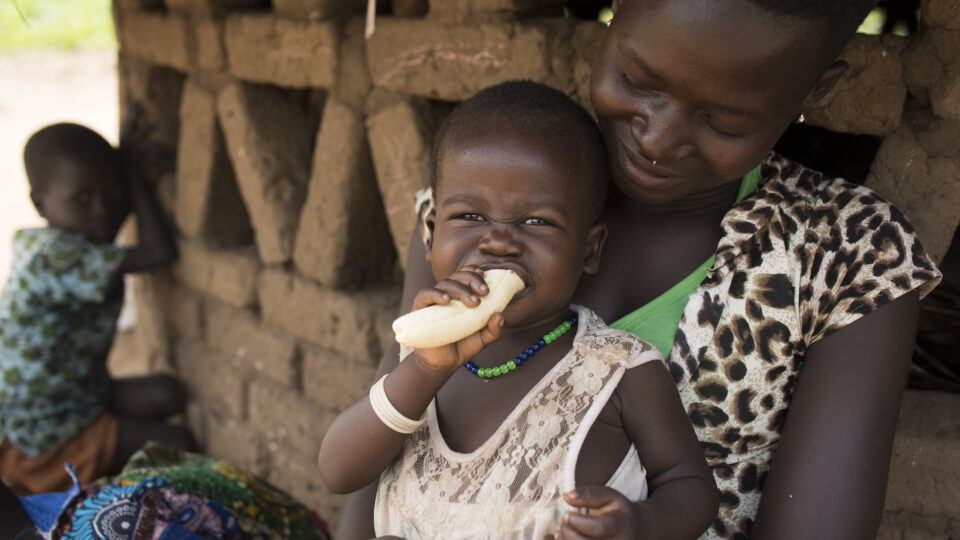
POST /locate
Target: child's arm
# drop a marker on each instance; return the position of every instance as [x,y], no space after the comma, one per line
[359,446]
[683,498]
[155,245]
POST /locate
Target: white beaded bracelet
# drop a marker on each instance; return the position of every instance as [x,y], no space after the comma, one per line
[388,414]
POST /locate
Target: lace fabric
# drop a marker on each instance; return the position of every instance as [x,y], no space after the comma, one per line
[511,486]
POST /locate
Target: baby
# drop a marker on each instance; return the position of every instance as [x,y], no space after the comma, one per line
[545,422]
[58,312]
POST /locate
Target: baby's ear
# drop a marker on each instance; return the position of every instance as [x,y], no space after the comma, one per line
[430,222]
[596,237]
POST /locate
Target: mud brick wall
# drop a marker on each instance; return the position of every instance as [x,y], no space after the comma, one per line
[299,145]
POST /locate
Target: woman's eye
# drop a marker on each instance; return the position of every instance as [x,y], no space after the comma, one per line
[636,85]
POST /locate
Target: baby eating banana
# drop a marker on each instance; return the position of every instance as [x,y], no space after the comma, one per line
[513,413]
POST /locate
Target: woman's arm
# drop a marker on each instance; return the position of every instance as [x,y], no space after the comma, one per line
[829,473]
[683,496]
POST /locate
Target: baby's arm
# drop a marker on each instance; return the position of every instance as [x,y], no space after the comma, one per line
[683,496]
[359,446]
[155,243]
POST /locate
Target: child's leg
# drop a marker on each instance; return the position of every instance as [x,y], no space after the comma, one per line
[153,397]
[135,432]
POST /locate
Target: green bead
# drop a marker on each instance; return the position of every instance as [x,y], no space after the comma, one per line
[482,373]
[500,370]
[511,365]
[548,339]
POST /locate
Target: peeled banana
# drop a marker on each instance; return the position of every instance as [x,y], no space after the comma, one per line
[435,326]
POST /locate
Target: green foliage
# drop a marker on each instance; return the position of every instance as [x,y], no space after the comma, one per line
[56,24]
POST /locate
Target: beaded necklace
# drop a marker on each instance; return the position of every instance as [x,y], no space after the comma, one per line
[510,365]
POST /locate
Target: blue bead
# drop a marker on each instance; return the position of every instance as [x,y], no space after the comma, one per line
[541,343]
[522,356]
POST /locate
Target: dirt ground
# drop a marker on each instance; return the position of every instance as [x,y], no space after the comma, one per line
[40,88]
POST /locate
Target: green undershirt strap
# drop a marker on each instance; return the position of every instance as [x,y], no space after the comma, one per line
[657,321]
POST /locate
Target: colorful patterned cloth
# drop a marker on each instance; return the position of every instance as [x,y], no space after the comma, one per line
[58,312]
[164,494]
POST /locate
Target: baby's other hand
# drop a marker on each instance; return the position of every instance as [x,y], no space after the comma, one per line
[467,286]
[602,512]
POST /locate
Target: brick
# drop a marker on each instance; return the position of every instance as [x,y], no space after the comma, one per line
[904,525]
[156,38]
[925,468]
[269,137]
[346,322]
[230,275]
[400,130]
[299,475]
[287,419]
[211,8]
[158,91]
[464,9]
[275,50]
[212,378]
[941,13]
[195,414]
[234,441]
[918,169]
[343,239]
[869,98]
[333,380]
[210,53]
[453,62]
[927,59]
[172,312]
[410,8]
[353,78]
[208,203]
[151,330]
[945,93]
[315,10]
[258,348]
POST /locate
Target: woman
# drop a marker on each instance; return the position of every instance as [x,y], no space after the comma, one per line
[798,273]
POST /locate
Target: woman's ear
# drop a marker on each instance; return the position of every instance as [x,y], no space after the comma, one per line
[828,79]
[596,237]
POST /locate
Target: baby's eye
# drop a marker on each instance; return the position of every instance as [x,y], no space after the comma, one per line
[536,221]
[468,216]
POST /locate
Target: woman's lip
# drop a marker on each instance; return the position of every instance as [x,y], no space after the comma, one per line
[651,177]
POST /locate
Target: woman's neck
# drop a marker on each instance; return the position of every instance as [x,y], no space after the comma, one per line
[701,203]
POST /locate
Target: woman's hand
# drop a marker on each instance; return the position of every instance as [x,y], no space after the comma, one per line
[602,513]
[467,286]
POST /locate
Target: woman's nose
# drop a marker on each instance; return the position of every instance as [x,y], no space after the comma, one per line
[661,133]
[500,242]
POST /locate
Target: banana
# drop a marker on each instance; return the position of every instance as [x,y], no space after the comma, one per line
[435,326]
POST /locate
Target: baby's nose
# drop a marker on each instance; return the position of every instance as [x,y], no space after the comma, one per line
[500,242]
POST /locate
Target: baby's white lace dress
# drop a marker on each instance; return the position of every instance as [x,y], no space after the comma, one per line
[511,486]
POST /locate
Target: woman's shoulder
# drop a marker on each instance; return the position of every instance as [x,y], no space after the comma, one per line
[790,183]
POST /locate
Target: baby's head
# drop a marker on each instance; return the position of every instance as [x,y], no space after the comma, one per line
[77,181]
[519,178]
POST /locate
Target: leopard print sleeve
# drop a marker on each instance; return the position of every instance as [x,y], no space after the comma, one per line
[857,252]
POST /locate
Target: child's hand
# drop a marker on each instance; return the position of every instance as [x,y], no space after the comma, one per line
[467,286]
[603,513]
[145,160]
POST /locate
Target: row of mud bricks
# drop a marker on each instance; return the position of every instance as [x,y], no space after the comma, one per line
[299,145]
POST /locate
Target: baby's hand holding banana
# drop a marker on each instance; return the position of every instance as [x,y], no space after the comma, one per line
[439,325]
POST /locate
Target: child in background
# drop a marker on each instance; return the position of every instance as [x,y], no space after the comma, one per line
[59,310]
[565,439]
